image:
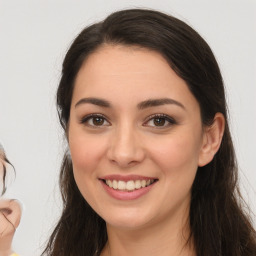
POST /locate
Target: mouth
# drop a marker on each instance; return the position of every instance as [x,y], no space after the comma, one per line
[129,185]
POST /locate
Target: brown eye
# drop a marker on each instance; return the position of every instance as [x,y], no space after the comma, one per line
[159,121]
[97,121]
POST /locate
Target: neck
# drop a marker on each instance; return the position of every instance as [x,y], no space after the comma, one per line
[165,238]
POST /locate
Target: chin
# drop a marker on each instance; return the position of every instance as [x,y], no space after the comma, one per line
[127,220]
[126,224]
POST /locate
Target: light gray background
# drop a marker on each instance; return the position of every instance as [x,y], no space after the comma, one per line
[34,36]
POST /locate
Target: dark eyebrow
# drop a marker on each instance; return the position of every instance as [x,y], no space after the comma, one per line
[94,101]
[158,102]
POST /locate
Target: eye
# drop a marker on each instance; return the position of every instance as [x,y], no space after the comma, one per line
[159,121]
[95,120]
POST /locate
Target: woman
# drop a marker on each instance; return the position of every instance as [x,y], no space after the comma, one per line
[150,167]
[10,212]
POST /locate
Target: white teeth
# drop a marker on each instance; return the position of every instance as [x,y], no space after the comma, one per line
[121,185]
[129,185]
[137,184]
[115,185]
[109,183]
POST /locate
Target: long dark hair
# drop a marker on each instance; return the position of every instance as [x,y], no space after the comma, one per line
[219,225]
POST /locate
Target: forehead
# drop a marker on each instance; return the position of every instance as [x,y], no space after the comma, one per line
[128,73]
[118,62]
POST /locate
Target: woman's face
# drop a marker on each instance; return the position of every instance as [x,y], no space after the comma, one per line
[134,122]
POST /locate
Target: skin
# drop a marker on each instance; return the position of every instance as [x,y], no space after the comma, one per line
[10,214]
[128,141]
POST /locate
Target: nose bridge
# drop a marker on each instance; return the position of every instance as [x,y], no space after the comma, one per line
[125,148]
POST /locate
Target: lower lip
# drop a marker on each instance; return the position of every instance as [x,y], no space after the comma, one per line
[125,195]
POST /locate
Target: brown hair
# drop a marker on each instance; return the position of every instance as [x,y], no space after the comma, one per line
[219,225]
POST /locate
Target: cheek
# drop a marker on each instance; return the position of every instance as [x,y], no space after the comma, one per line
[177,155]
[177,160]
[86,151]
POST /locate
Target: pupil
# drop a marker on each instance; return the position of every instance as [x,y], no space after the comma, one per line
[159,121]
[98,121]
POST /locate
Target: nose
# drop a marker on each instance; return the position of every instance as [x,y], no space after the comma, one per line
[126,147]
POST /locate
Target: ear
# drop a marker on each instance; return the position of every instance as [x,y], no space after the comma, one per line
[212,138]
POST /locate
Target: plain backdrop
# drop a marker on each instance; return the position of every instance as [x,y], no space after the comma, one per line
[34,37]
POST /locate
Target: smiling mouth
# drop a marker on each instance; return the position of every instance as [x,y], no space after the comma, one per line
[130,185]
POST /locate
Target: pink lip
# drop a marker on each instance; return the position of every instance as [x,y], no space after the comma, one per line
[125,195]
[126,177]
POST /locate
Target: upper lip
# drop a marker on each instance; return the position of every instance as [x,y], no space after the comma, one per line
[126,177]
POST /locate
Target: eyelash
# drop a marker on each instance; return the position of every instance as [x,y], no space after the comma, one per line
[166,118]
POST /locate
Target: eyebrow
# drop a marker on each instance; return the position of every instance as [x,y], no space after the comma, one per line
[142,105]
[158,102]
[94,101]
